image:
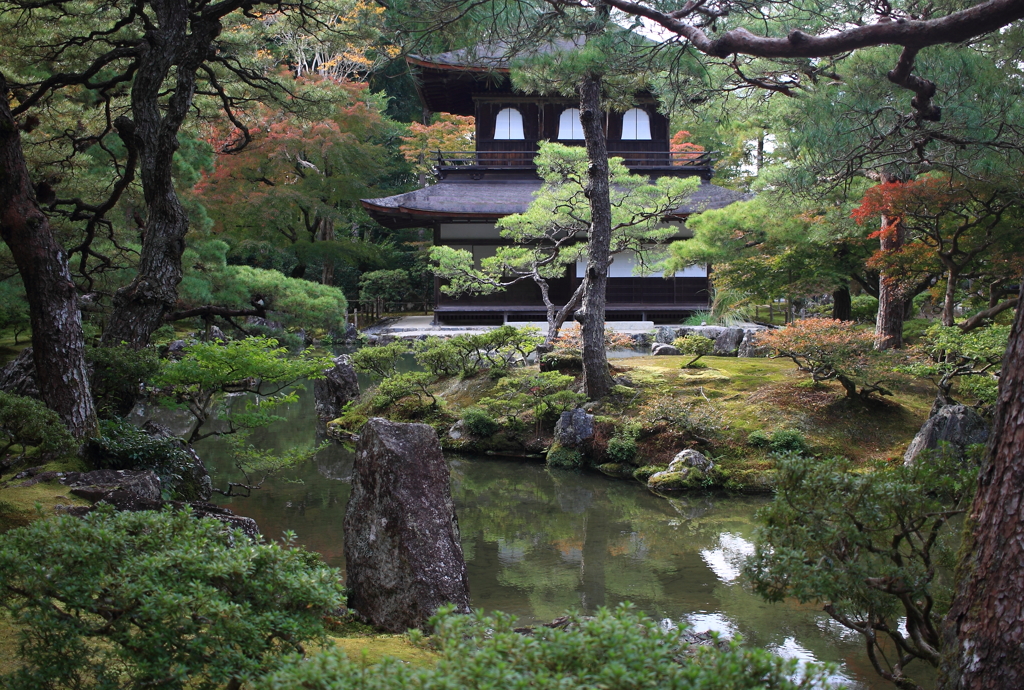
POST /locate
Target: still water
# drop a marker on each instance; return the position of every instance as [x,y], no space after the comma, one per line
[539,542]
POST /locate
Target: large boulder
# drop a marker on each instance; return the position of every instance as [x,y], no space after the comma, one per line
[127,489]
[19,375]
[402,552]
[337,389]
[659,349]
[574,427]
[958,425]
[689,469]
[727,343]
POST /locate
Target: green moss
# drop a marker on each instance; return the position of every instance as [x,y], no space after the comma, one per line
[687,478]
[748,479]
[371,650]
[617,469]
[644,473]
[563,458]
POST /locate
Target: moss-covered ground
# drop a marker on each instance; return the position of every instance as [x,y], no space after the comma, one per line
[713,407]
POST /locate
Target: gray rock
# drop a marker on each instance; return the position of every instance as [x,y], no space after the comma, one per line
[402,552]
[340,387]
[574,427]
[133,489]
[19,375]
[658,349]
[175,348]
[690,458]
[216,334]
[458,431]
[727,343]
[957,425]
[749,347]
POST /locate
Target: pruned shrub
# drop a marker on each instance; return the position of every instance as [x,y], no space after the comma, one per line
[758,439]
[694,344]
[787,441]
[27,422]
[156,599]
[833,350]
[613,649]
[479,423]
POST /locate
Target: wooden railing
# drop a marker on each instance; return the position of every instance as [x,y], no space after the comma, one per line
[448,160]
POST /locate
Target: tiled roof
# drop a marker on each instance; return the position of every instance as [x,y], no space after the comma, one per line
[492,199]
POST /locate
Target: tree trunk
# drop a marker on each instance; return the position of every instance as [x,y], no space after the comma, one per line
[983,634]
[58,342]
[891,302]
[949,300]
[140,306]
[842,304]
[557,315]
[325,233]
[596,379]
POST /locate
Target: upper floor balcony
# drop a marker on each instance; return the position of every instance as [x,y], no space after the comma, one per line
[515,157]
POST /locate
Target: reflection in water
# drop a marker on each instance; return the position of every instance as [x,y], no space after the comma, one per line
[539,542]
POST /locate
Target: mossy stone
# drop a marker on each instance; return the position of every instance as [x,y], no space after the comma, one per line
[564,458]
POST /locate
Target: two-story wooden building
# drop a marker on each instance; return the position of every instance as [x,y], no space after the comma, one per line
[477,188]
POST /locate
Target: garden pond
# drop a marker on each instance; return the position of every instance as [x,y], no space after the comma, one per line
[540,542]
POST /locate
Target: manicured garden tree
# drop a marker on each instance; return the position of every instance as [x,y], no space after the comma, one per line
[970,360]
[870,547]
[550,235]
[833,350]
[157,599]
[696,345]
[199,381]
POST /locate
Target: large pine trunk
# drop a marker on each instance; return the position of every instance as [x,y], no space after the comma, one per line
[891,302]
[842,304]
[596,379]
[58,342]
[140,306]
[983,635]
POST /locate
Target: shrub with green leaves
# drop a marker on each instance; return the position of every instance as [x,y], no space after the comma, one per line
[546,394]
[398,386]
[873,548]
[972,360]
[787,441]
[28,422]
[200,380]
[694,344]
[120,445]
[758,439]
[464,355]
[479,423]
[379,361]
[118,374]
[622,446]
[614,649]
[156,599]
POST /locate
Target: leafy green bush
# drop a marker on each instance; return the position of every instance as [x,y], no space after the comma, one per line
[876,548]
[864,308]
[479,423]
[464,355]
[787,441]
[562,360]
[118,373]
[619,650]
[156,599]
[28,422]
[392,286]
[948,356]
[545,393]
[398,386]
[758,439]
[120,445]
[380,361]
[622,446]
[694,344]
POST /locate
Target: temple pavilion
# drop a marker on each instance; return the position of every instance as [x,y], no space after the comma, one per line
[476,188]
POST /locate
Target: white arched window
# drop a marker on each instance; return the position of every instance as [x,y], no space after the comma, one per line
[509,124]
[569,126]
[636,124]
